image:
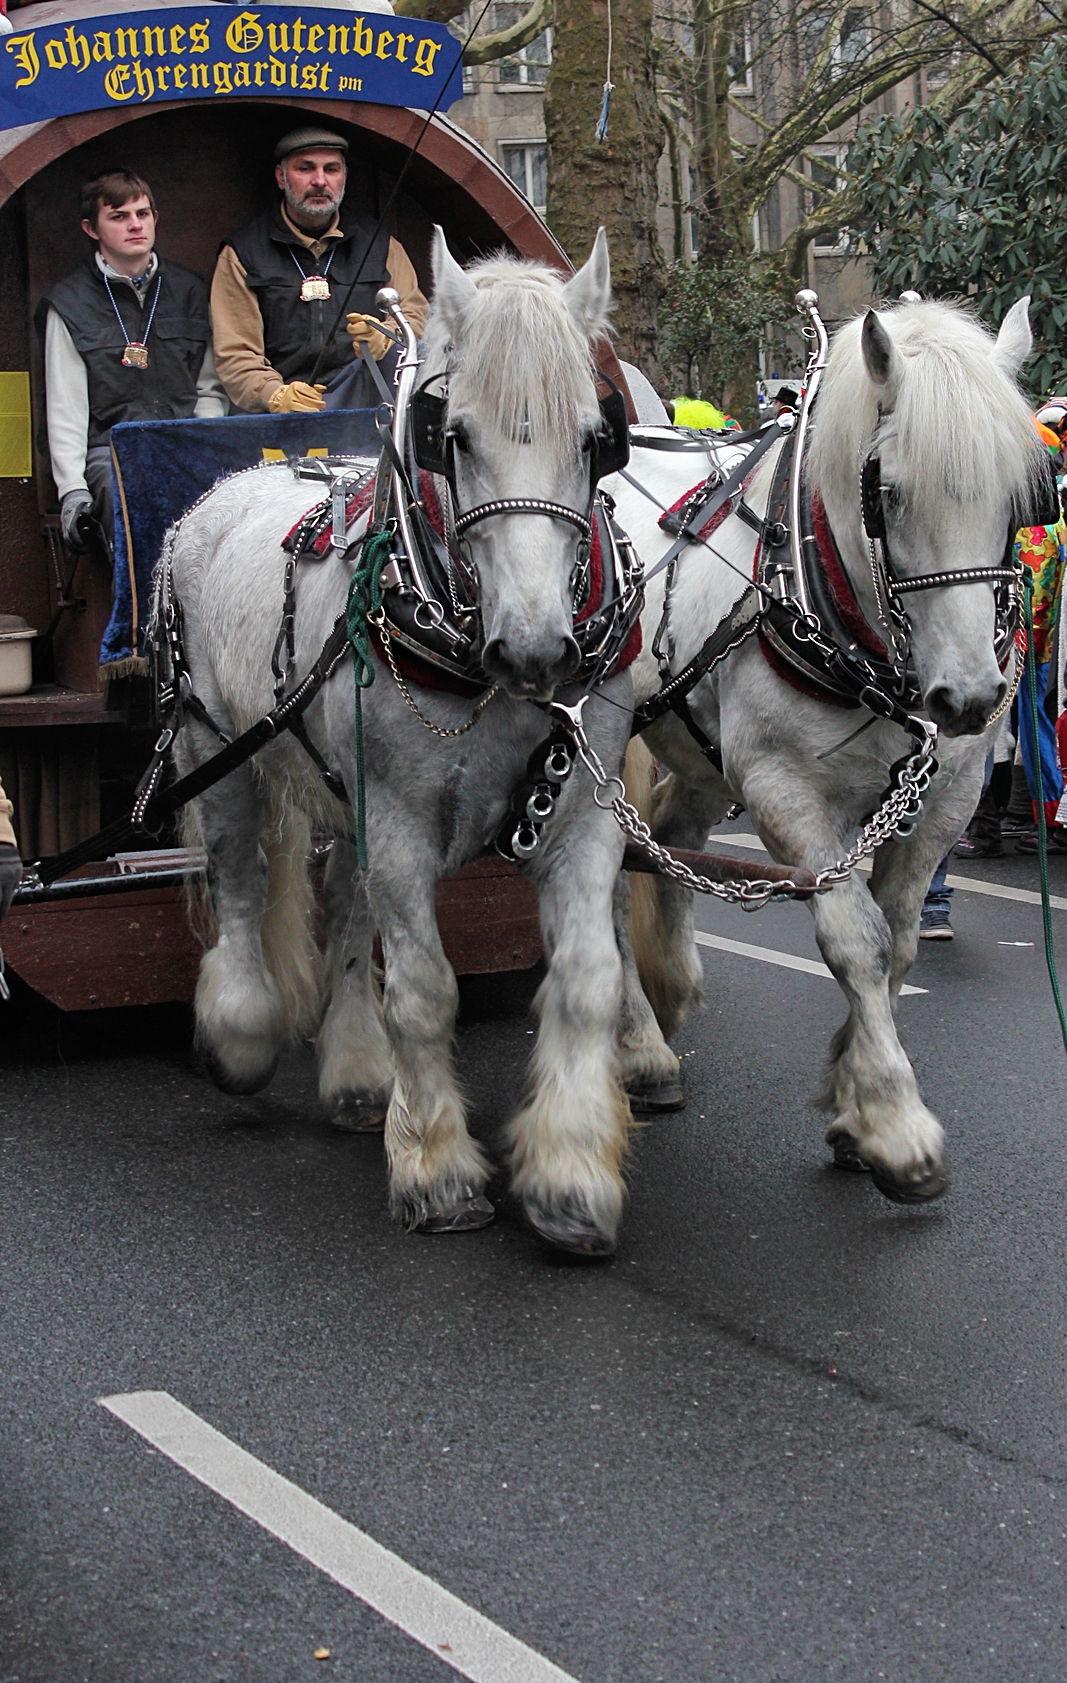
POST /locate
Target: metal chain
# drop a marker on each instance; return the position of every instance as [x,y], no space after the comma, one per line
[378,621]
[898,815]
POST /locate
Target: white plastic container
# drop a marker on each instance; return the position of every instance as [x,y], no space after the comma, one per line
[16,655]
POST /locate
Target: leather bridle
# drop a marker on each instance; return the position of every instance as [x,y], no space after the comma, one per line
[889,586]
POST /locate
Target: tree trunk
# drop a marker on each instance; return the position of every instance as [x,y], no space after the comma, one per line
[611,183]
[713,24]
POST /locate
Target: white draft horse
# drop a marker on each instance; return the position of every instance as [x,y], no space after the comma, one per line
[514,340]
[928,388]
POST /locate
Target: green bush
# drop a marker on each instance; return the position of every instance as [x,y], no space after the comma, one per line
[715,317]
[976,206]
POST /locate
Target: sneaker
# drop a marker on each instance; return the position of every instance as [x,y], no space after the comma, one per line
[979,847]
[1057,841]
[934,926]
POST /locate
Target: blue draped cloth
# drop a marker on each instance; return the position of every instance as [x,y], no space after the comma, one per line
[160,468]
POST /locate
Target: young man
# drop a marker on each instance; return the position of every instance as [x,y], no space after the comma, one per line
[127,338]
[279,283]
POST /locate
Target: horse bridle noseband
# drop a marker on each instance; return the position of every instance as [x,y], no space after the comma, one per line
[523,505]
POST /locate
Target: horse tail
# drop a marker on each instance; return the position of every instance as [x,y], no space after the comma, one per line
[664,964]
[290,952]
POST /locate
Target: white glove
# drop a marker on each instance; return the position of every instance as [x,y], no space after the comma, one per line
[74,504]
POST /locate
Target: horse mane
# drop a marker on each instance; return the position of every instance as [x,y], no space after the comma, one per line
[963,426]
[521,358]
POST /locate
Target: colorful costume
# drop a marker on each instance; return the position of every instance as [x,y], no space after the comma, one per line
[1043,549]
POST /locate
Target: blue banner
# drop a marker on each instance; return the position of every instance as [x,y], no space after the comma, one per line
[144,58]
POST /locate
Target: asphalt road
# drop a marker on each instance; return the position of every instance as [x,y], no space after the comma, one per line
[791,1433]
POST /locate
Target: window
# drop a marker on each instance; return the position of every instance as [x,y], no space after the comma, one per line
[823,169]
[740,62]
[528,68]
[852,45]
[854,42]
[936,75]
[527,166]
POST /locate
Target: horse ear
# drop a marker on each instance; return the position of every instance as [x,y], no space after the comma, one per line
[453,290]
[588,293]
[1014,341]
[879,352]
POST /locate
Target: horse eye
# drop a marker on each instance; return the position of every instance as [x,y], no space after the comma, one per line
[893,499]
[460,437]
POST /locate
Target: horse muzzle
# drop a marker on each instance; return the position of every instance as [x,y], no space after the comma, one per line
[959,712]
[532,674]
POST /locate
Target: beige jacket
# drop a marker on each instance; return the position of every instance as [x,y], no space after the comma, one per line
[237,326]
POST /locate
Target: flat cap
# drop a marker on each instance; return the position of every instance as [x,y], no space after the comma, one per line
[309,140]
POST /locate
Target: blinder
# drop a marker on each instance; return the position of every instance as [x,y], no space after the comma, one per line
[426,415]
[1041,508]
[871,498]
[612,443]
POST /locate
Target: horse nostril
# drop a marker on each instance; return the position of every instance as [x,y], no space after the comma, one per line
[572,659]
[963,714]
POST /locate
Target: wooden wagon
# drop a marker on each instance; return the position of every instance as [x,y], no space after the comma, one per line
[71,749]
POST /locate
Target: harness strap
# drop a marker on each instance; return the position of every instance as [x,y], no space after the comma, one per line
[771,434]
[387,397]
[739,624]
[229,759]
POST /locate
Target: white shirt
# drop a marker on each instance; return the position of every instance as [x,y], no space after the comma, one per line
[67,388]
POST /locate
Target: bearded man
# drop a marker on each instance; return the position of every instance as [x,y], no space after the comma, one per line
[279,281]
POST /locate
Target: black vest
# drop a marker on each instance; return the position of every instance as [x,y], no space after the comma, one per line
[294,331]
[177,343]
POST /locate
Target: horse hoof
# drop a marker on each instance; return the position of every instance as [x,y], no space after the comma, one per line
[467,1216]
[569,1228]
[911,1189]
[237,1086]
[652,1097]
[359,1113]
[847,1154]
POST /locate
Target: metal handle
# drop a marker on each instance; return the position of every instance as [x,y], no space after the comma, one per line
[807,304]
[388,299]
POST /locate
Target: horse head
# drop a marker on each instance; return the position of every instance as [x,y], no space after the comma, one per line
[922,402]
[514,342]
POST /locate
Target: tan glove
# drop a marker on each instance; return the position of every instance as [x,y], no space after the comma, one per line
[366,331]
[296,397]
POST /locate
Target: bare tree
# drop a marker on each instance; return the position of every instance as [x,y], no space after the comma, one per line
[815,69]
[818,67]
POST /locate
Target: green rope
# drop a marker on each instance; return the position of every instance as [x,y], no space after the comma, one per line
[364,599]
[1042,832]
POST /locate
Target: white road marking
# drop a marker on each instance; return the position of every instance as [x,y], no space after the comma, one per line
[769,955]
[969,885]
[464,1639]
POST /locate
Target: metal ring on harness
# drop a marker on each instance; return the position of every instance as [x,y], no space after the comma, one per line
[605,787]
[434,612]
[523,505]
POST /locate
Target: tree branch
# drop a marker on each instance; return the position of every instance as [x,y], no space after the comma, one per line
[432,11]
[484,49]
